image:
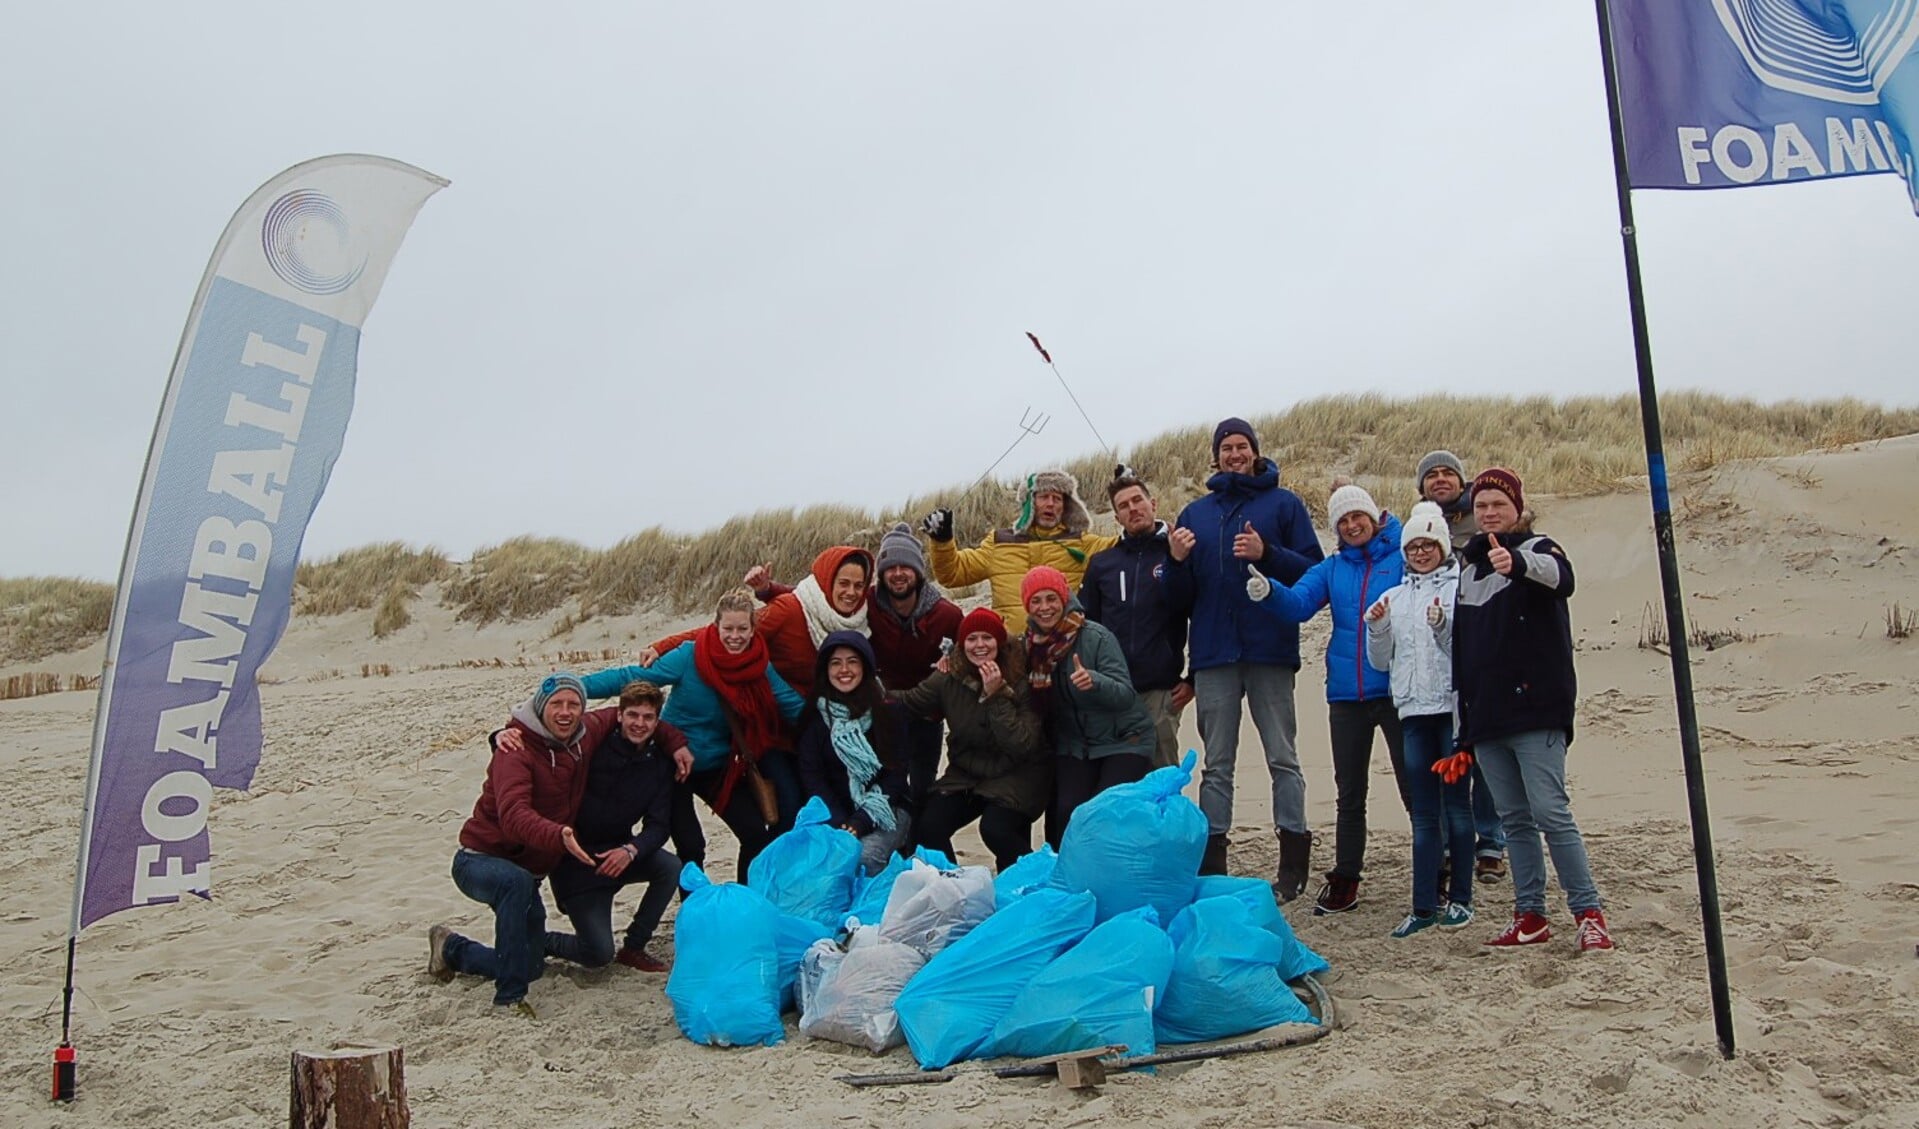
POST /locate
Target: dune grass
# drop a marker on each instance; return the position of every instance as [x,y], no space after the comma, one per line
[46,615]
[1565,448]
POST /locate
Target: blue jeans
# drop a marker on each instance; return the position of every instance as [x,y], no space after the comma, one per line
[1441,813]
[1490,832]
[591,912]
[1527,772]
[518,954]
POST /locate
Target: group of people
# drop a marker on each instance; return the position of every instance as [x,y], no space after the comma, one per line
[865,686]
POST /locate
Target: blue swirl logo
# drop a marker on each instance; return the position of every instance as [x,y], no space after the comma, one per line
[1819,51]
[309,243]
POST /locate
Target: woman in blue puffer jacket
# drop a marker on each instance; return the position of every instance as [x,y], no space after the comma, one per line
[1359,698]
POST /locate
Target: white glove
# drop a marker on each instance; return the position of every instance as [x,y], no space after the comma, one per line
[1257,586]
[1435,615]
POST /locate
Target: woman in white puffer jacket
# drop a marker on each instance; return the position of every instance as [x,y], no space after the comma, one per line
[1409,634]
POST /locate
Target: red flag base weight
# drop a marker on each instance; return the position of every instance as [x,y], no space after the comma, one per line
[63,1073]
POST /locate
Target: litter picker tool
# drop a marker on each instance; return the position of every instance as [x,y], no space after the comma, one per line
[1048,358]
[1030,423]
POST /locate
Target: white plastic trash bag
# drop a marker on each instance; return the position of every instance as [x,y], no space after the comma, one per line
[929,909]
[854,1003]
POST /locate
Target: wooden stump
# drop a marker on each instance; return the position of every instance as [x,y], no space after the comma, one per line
[349,1088]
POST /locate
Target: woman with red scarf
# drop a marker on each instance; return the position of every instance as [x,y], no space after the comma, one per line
[1101,732]
[735,710]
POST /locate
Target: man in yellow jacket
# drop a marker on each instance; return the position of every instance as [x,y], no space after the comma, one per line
[1052,530]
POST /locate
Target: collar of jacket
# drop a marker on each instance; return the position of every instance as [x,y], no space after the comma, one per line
[1265,476]
[1140,543]
[881,600]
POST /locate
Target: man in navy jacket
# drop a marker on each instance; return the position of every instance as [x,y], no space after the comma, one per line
[1142,591]
[1248,521]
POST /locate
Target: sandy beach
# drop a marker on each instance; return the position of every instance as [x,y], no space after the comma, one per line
[329,872]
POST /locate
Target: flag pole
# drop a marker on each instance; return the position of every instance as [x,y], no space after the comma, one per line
[1668,559]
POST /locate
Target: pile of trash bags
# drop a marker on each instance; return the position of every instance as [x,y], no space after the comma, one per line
[1114,940]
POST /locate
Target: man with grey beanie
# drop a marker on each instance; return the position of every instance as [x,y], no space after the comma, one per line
[1442,480]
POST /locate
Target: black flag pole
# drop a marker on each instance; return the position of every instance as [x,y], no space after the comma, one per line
[1668,560]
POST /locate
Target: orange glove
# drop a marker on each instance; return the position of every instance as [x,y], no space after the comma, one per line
[1451,769]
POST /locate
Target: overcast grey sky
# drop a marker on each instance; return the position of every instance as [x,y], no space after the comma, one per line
[698,259]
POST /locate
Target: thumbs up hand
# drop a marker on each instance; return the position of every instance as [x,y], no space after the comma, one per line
[1082,678]
[1379,610]
[1257,586]
[1248,545]
[1500,558]
[1436,615]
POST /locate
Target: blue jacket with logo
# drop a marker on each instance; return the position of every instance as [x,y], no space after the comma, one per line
[1348,582]
[1225,629]
[1142,595]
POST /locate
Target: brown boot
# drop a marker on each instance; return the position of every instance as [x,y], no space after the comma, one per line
[1295,864]
[1214,860]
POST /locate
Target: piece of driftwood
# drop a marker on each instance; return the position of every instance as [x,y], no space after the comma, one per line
[349,1088]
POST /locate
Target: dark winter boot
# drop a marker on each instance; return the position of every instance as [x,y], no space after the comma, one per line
[1214,860]
[1295,864]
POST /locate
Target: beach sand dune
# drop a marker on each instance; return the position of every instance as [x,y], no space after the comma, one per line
[329,872]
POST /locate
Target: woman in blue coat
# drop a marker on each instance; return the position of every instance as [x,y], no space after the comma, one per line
[1359,698]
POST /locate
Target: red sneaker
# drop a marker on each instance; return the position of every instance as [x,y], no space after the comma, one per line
[1527,929]
[1593,936]
[640,959]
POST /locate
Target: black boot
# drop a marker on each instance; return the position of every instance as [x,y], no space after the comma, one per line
[1214,860]
[1295,864]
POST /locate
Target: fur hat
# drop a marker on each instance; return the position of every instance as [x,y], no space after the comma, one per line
[983,619]
[553,684]
[1433,461]
[1044,578]
[1427,522]
[1075,520]
[899,547]
[1351,499]
[1233,425]
[1503,480]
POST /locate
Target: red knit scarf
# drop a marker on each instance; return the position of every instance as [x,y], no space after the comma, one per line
[740,681]
[1044,649]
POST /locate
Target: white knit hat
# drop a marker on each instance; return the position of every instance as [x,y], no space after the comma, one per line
[1348,500]
[1426,523]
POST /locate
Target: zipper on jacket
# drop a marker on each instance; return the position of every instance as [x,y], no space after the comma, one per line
[1359,653]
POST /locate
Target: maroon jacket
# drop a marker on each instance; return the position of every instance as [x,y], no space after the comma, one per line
[529,796]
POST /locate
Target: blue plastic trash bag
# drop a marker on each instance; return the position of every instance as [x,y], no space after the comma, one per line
[870,894]
[792,936]
[1023,877]
[809,871]
[1101,991]
[949,1010]
[1297,959]
[1136,844]
[1225,980]
[725,983]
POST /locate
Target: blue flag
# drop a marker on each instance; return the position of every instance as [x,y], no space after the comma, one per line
[252,420]
[1726,93]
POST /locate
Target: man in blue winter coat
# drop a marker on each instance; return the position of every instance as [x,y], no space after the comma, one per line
[1142,591]
[1248,521]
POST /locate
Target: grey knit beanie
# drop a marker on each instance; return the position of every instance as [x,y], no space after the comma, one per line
[1438,459]
[900,547]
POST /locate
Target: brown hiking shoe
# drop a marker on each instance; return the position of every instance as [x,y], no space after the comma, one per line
[640,959]
[436,965]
